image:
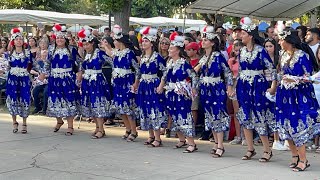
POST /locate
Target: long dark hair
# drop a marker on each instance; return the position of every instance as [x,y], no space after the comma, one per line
[276,50]
[154,48]
[14,48]
[5,39]
[66,45]
[95,43]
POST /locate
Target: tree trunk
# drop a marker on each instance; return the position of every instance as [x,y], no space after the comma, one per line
[122,17]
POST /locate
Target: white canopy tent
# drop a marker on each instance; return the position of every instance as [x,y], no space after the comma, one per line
[48,17]
[262,9]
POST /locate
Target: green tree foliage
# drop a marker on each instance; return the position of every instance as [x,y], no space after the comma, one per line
[152,8]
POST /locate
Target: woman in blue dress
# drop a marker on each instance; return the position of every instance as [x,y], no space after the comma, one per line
[18,88]
[179,93]
[296,103]
[151,105]
[255,110]
[214,69]
[63,93]
[95,93]
[125,81]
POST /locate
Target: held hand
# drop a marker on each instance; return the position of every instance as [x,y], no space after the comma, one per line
[230,91]
[41,77]
[159,90]
[272,91]
[134,87]
[79,76]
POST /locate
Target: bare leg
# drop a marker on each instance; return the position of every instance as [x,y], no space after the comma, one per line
[236,121]
[70,125]
[151,138]
[294,152]
[126,122]
[303,157]
[157,141]
[195,116]
[97,126]
[248,134]
[220,150]
[59,124]
[181,137]
[276,136]
[133,124]
[267,153]
[99,123]
[24,125]
[15,124]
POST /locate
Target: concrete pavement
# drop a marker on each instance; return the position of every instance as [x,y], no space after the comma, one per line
[42,154]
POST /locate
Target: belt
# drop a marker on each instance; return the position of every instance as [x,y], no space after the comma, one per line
[249,75]
[210,80]
[91,74]
[19,71]
[148,77]
[120,72]
[61,72]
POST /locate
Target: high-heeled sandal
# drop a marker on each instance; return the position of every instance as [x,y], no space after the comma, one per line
[15,127]
[125,136]
[98,137]
[252,153]
[158,145]
[213,150]
[263,159]
[59,124]
[298,169]
[293,165]
[216,155]
[191,151]
[180,146]
[132,137]
[24,131]
[149,141]
[68,133]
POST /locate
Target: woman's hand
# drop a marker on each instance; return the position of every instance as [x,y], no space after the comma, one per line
[272,91]
[230,91]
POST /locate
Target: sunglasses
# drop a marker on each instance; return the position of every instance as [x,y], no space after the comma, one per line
[164,43]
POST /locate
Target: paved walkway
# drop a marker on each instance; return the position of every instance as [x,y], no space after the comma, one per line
[42,154]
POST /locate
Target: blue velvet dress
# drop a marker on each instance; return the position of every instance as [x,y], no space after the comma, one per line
[124,73]
[255,110]
[95,92]
[151,105]
[63,93]
[296,104]
[213,95]
[18,88]
[178,102]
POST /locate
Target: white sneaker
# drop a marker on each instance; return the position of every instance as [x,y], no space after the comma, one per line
[277,145]
[236,140]
[244,143]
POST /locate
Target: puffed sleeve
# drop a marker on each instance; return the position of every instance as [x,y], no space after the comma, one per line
[192,74]
[162,65]
[135,65]
[226,70]
[306,64]
[105,58]
[268,64]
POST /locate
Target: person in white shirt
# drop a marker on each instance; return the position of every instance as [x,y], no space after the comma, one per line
[313,39]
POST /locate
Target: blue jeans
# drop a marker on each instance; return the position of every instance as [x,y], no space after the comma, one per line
[37,101]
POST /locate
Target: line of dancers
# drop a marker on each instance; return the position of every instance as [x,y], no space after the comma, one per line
[154,90]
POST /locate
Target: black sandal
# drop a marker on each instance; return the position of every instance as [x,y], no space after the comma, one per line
[216,155]
[263,159]
[149,142]
[159,144]
[213,150]
[125,136]
[132,137]
[183,145]
[298,169]
[69,133]
[95,131]
[24,131]
[98,137]
[293,165]
[252,153]
[56,129]
[15,129]
[191,151]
